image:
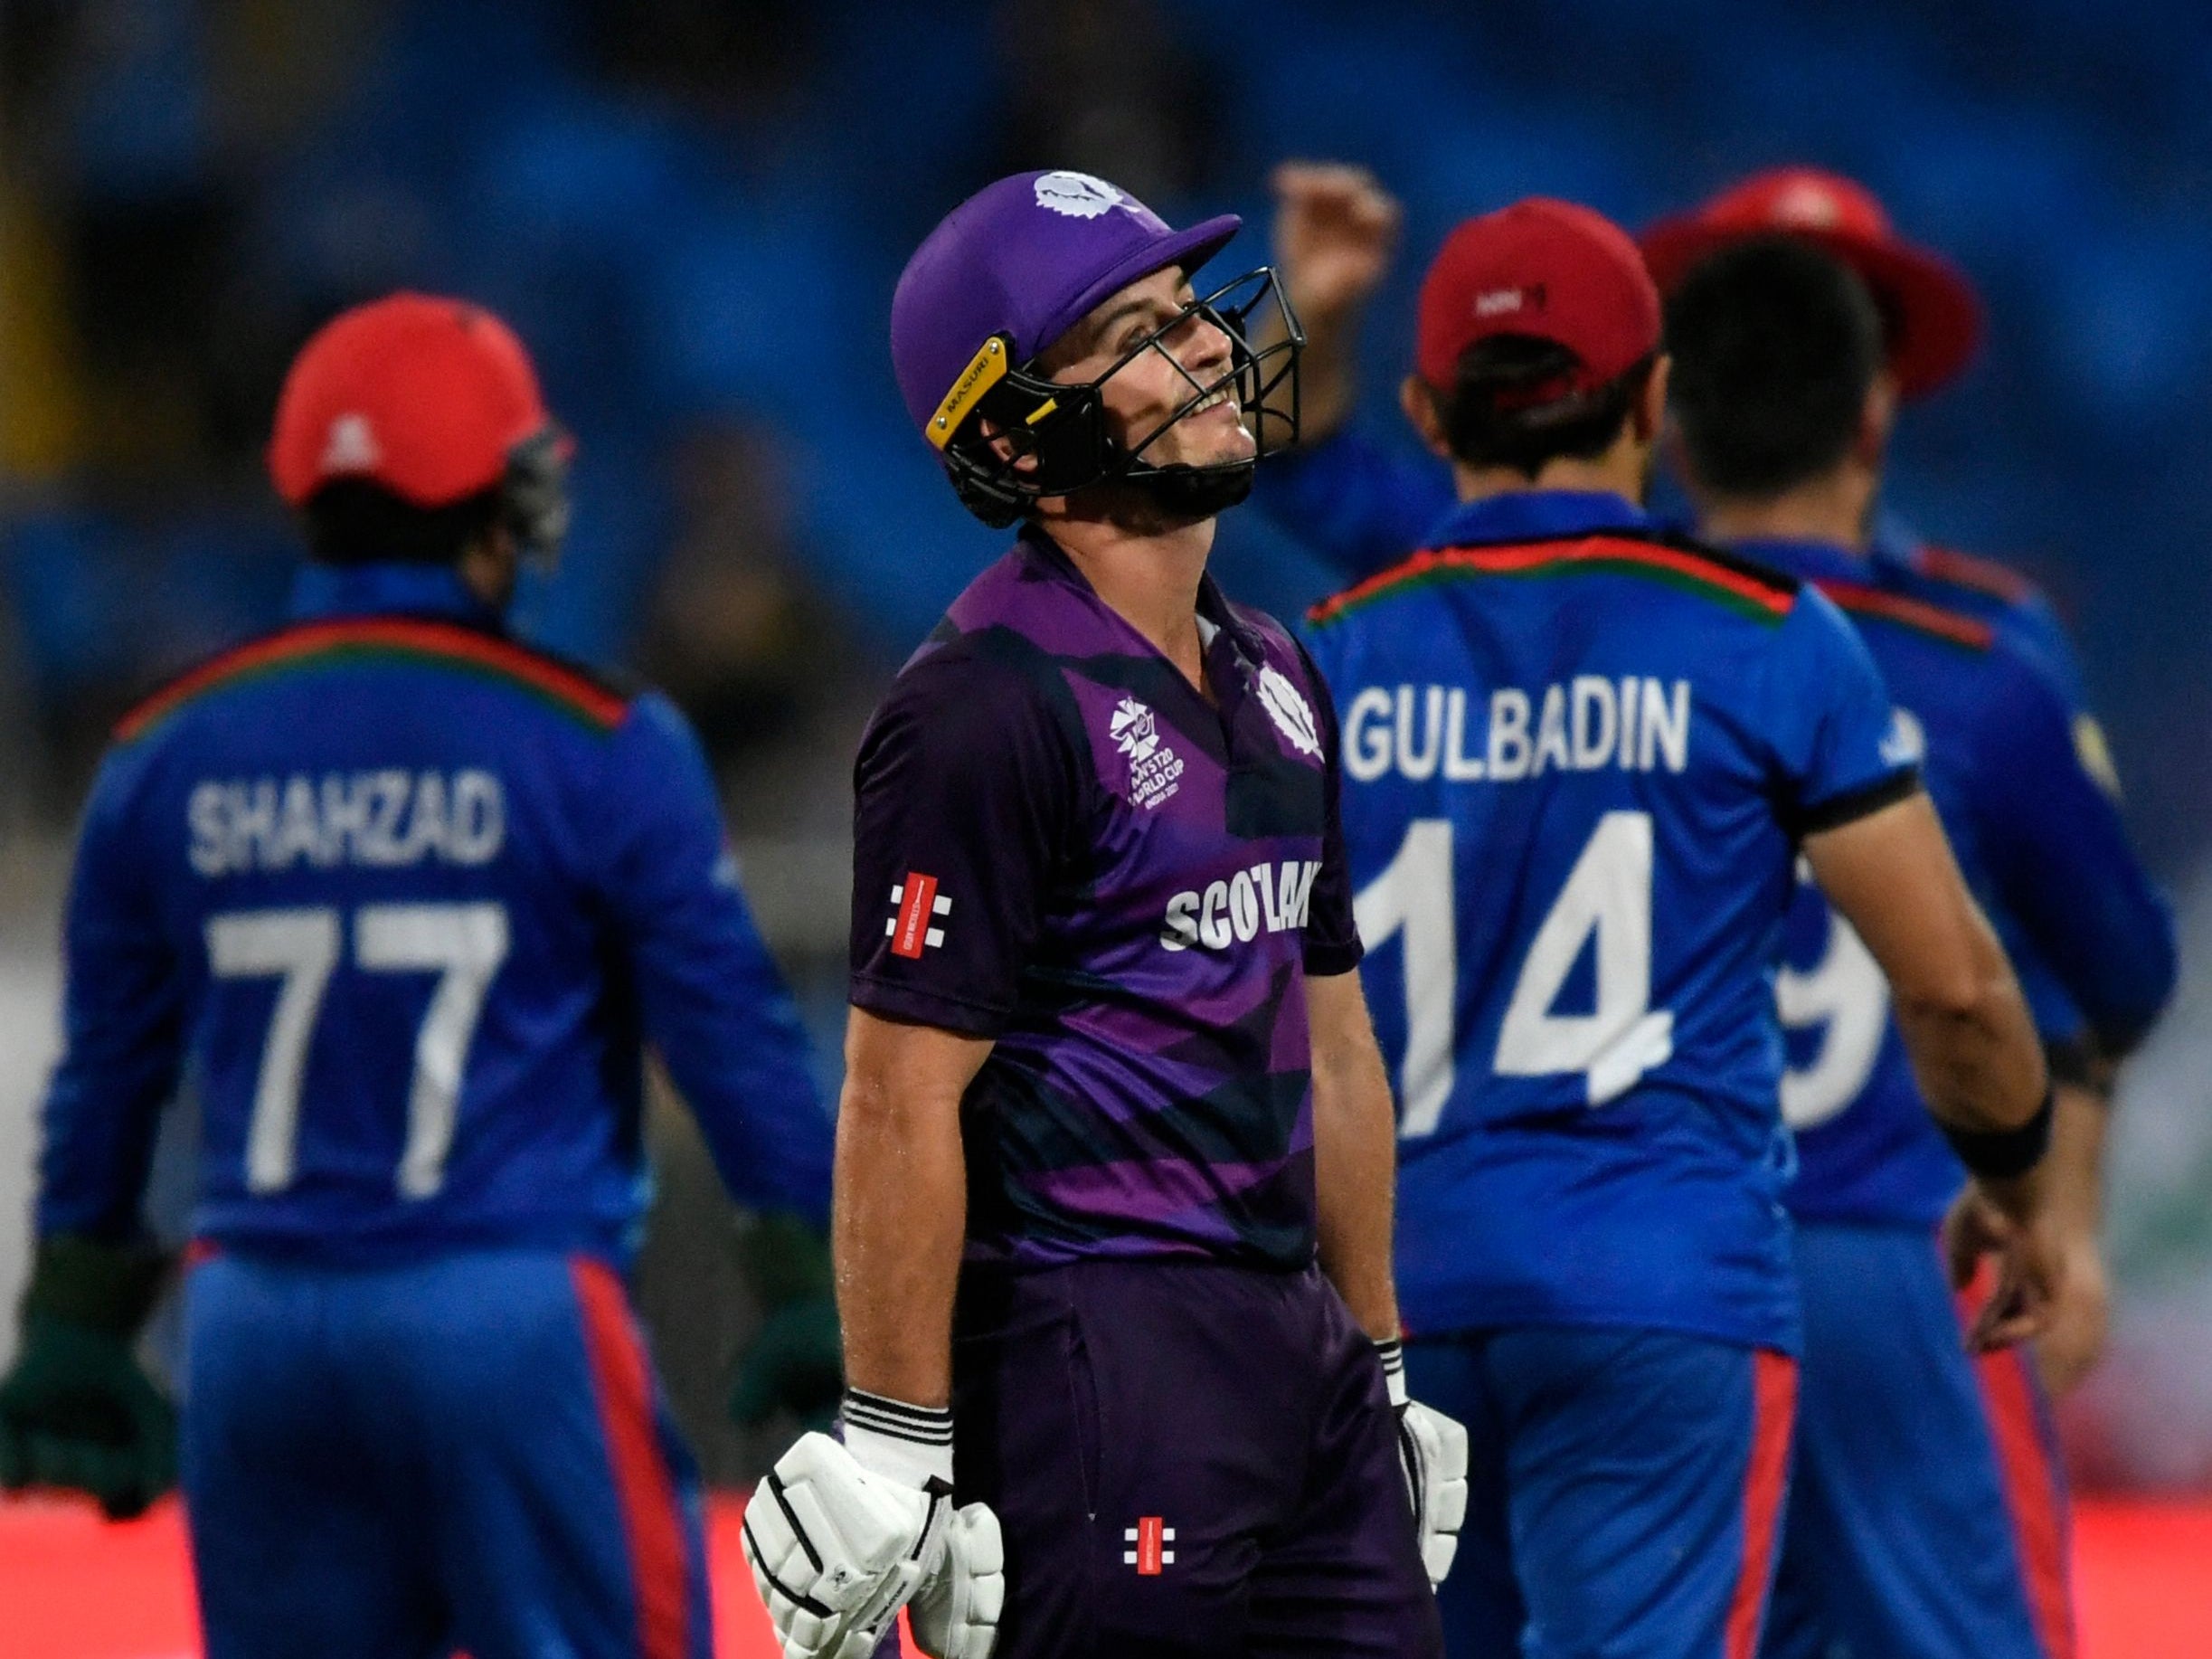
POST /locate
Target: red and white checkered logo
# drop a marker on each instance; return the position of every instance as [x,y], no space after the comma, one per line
[915,905]
[1147,1551]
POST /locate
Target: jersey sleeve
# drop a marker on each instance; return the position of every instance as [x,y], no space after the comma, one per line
[2059,855]
[964,795]
[2033,626]
[711,999]
[1352,502]
[123,1031]
[1842,750]
[1332,935]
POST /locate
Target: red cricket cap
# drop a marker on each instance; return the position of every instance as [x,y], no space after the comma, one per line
[1933,318]
[423,395]
[1545,269]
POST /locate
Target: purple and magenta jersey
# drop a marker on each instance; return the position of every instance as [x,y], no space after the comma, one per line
[1063,847]
[403,900]
[1579,756]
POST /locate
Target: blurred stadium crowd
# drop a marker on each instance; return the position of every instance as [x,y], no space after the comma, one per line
[693,210]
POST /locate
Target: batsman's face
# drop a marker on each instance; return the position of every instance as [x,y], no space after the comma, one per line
[1187,357]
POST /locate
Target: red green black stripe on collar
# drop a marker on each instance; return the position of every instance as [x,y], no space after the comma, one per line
[1748,589]
[386,639]
[1917,615]
[1985,576]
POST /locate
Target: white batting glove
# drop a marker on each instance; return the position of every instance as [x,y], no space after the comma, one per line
[955,1615]
[836,1550]
[1433,1451]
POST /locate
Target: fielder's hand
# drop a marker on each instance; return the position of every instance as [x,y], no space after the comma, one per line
[76,1411]
[2030,1263]
[1336,228]
[1433,1451]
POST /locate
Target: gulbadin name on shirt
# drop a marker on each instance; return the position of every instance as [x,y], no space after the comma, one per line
[1589,723]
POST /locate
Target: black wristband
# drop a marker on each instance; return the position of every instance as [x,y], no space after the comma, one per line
[2073,1061]
[1999,1154]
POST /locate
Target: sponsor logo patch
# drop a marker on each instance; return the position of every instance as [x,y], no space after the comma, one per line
[1288,708]
[2096,754]
[1906,741]
[1149,1542]
[1076,195]
[351,446]
[1154,769]
[915,905]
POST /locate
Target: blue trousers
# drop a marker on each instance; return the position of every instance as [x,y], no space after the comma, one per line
[1928,1516]
[467,1452]
[1624,1487]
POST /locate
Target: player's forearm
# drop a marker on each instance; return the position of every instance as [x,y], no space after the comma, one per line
[97,1149]
[1327,376]
[1355,1149]
[1973,1044]
[899,1217]
[1355,1153]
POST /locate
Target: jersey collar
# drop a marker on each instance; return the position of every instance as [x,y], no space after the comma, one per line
[323,591]
[1539,516]
[1894,545]
[1215,618]
[1811,561]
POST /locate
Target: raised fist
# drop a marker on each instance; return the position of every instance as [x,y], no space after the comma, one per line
[1336,228]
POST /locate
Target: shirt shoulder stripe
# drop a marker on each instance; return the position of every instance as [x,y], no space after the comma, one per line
[1986,576]
[1918,614]
[567,689]
[1740,585]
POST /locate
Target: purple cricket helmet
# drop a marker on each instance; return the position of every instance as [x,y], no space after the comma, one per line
[1002,277]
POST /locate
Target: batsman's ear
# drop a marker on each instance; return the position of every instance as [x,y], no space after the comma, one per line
[1650,410]
[1875,419]
[1417,398]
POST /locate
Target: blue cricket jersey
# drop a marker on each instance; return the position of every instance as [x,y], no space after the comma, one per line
[404,899]
[2039,840]
[1578,757]
[2016,764]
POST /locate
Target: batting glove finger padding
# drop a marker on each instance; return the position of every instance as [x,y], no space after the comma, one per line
[1433,1449]
[836,1551]
[1432,1453]
[955,1615]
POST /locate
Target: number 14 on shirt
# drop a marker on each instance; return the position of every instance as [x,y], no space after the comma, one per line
[1608,893]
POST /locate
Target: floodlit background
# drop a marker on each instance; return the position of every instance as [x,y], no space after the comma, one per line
[693,210]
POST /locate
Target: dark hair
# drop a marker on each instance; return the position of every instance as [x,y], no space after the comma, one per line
[1775,344]
[1505,408]
[351,521]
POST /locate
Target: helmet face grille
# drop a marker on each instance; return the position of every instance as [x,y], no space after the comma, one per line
[1029,438]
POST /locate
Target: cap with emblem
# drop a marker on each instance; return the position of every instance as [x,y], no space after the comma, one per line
[1547,270]
[1933,318]
[429,398]
[1024,257]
